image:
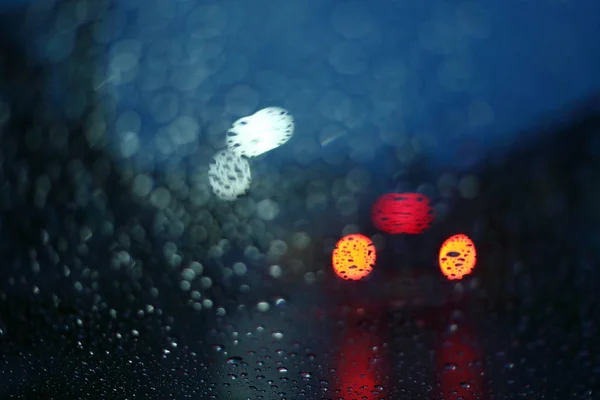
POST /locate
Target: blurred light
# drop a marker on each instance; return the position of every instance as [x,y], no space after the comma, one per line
[229,175]
[262,131]
[354,257]
[457,256]
[395,213]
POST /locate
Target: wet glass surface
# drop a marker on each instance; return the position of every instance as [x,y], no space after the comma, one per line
[261,200]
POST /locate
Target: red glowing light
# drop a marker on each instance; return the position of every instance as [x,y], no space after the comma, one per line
[353,257]
[457,256]
[402,213]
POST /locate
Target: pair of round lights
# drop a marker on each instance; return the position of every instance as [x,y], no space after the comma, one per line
[229,173]
[394,213]
[354,257]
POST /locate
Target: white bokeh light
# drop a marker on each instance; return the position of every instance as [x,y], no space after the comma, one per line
[229,175]
[260,132]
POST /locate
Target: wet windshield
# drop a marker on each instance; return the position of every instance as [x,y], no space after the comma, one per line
[317,199]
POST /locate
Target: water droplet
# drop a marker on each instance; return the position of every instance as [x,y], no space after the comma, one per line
[234,360]
[218,347]
[280,302]
[277,335]
[263,306]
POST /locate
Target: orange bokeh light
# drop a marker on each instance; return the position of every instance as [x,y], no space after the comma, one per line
[457,256]
[353,257]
